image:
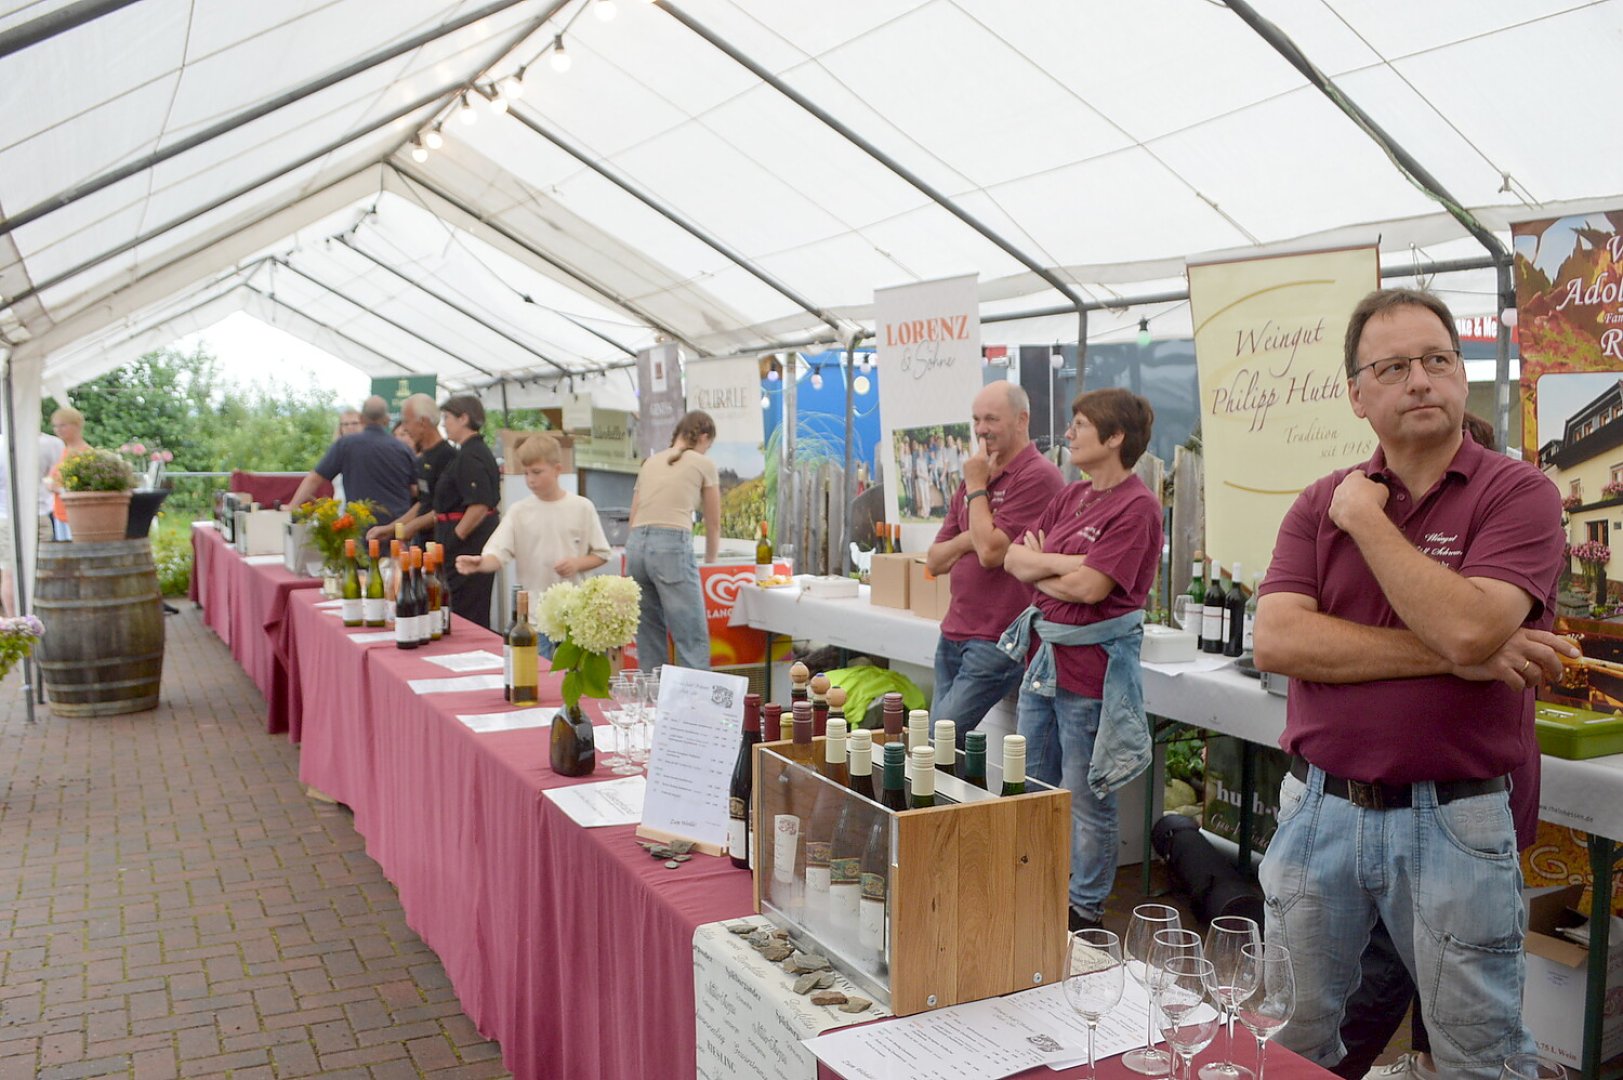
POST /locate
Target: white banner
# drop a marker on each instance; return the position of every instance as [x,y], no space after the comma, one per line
[929,341]
[659,397]
[730,391]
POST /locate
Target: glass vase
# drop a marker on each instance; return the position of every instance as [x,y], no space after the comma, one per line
[573,751]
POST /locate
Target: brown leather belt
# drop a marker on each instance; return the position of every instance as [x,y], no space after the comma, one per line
[1396,796]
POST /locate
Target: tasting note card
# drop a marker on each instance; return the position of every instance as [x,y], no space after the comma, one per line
[696,731]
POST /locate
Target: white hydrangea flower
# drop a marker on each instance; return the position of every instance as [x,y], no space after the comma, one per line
[555,610]
[606,613]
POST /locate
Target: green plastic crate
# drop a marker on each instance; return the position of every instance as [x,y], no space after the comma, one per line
[1566,731]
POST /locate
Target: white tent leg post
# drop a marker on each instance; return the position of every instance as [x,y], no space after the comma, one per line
[19,578]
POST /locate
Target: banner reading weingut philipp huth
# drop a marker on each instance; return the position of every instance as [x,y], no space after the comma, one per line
[929,340]
[1273,389]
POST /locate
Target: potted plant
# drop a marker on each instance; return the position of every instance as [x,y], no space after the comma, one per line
[17,638]
[587,622]
[96,488]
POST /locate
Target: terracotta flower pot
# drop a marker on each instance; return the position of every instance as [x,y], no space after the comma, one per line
[97,517]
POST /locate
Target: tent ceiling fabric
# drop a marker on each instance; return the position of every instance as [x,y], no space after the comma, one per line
[1106,142]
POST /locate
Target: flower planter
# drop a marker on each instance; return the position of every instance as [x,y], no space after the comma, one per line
[97,517]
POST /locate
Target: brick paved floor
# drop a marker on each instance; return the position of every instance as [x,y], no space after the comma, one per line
[171,904]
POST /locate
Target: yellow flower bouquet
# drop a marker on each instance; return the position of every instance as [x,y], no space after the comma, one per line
[332,522]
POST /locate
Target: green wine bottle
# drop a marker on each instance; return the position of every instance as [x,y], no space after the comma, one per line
[352,586]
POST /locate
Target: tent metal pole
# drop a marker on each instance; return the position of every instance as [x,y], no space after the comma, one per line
[940,198]
[705,237]
[579,325]
[1501,366]
[623,303]
[458,308]
[60,21]
[18,577]
[333,330]
[848,482]
[404,329]
[69,196]
[152,234]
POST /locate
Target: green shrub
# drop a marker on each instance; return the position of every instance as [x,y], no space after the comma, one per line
[172,552]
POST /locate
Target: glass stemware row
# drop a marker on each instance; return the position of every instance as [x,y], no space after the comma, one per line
[635,694]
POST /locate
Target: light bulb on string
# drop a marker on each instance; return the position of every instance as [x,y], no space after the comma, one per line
[817,378]
[1507,310]
[560,59]
[513,86]
[1144,333]
[433,139]
[466,113]
[861,384]
[605,10]
[865,363]
[419,152]
[766,402]
[498,99]
[772,374]
[1056,359]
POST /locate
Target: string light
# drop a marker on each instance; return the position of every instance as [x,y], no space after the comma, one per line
[513,87]
[772,374]
[1056,359]
[817,377]
[865,364]
[560,60]
[1144,333]
[433,139]
[605,10]
[466,113]
[861,384]
[498,100]
[766,402]
[419,152]
[1507,310]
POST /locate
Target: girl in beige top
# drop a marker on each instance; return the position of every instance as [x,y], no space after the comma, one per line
[671,486]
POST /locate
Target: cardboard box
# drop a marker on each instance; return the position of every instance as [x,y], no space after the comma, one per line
[888,580]
[927,594]
[1553,1000]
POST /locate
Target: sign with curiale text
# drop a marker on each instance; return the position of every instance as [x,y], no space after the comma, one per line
[1273,388]
[929,348]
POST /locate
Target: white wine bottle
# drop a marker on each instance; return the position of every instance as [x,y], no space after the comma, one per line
[1014,765]
[352,610]
[522,640]
[921,789]
[946,747]
[763,555]
[372,602]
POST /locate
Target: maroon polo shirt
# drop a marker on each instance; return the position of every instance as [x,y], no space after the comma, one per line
[985,601]
[1119,531]
[1489,516]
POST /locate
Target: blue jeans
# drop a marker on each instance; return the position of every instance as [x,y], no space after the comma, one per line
[660,560]
[1059,735]
[1445,880]
[970,677]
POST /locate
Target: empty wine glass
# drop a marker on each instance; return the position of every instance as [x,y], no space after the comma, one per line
[1093,979]
[624,692]
[1167,944]
[1225,938]
[1141,930]
[1183,999]
[1531,1067]
[1272,1000]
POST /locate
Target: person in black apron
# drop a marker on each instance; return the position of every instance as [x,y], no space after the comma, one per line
[465,498]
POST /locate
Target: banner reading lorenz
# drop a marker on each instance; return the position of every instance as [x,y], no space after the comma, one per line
[929,339]
[659,397]
[1273,390]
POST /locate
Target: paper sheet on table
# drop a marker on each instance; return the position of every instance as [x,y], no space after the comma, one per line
[1202,662]
[981,1040]
[262,560]
[461,684]
[511,720]
[478,660]
[324,604]
[374,637]
[1120,1030]
[612,802]
[690,765]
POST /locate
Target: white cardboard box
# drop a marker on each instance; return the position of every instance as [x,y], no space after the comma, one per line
[1553,1000]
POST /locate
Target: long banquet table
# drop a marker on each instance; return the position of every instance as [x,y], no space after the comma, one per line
[569,946]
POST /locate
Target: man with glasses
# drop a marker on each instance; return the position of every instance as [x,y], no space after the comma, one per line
[1409,600]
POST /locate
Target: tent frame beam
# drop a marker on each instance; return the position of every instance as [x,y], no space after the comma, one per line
[373,313]
[349,244]
[71,195]
[333,330]
[704,236]
[49,25]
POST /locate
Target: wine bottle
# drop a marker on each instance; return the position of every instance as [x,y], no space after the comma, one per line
[1014,765]
[975,759]
[391,587]
[1250,616]
[802,720]
[523,642]
[431,587]
[921,789]
[352,609]
[799,677]
[507,648]
[833,764]
[946,747]
[763,555]
[918,734]
[819,686]
[372,602]
[850,839]
[1234,602]
[1212,636]
[789,826]
[893,785]
[445,591]
[1197,607]
[836,709]
[772,723]
[419,582]
[860,765]
[821,826]
[405,612]
[740,835]
[894,712]
[873,912]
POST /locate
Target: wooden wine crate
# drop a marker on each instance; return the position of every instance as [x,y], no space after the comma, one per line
[977,894]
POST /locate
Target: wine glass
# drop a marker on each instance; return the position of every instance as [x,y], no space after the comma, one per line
[1531,1067]
[641,736]
[1225,938]
[1272,1000]
[1184,1000]
[1141,930]
[1094,979]
[623,693]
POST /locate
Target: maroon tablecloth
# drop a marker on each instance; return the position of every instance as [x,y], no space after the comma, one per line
[267,490]
[569,946]
[242,602]
[1282,1064]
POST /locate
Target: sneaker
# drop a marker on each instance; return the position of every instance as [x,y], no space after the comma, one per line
[1080,921]
[1406,1066]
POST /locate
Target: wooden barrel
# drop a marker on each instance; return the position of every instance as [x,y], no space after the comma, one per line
[102,653]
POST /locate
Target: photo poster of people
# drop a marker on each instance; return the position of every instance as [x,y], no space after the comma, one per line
[1569,327]
[928,337]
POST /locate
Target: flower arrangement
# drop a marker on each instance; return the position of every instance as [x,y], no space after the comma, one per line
[96,470]
[1592,553]
[17,638]
[332,522]
[148,460]
[586,621]
[1612,489]
[1572,502]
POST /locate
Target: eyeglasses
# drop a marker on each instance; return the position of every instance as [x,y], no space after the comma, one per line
[1395,369]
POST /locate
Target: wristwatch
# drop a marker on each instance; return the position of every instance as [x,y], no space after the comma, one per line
[973,495]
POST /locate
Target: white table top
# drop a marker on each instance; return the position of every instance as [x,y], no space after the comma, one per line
[1586,795]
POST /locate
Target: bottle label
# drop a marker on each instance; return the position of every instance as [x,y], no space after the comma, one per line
[737,836]
[785,842]
[763,571]
[352,610]
[845,903]
[402,632]
[817,880]
[372,610]
[1250,625]
[507,665]
[1211,624]
[845,871]
[871,915]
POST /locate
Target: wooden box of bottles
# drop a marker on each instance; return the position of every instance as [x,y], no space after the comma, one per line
[976,896]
